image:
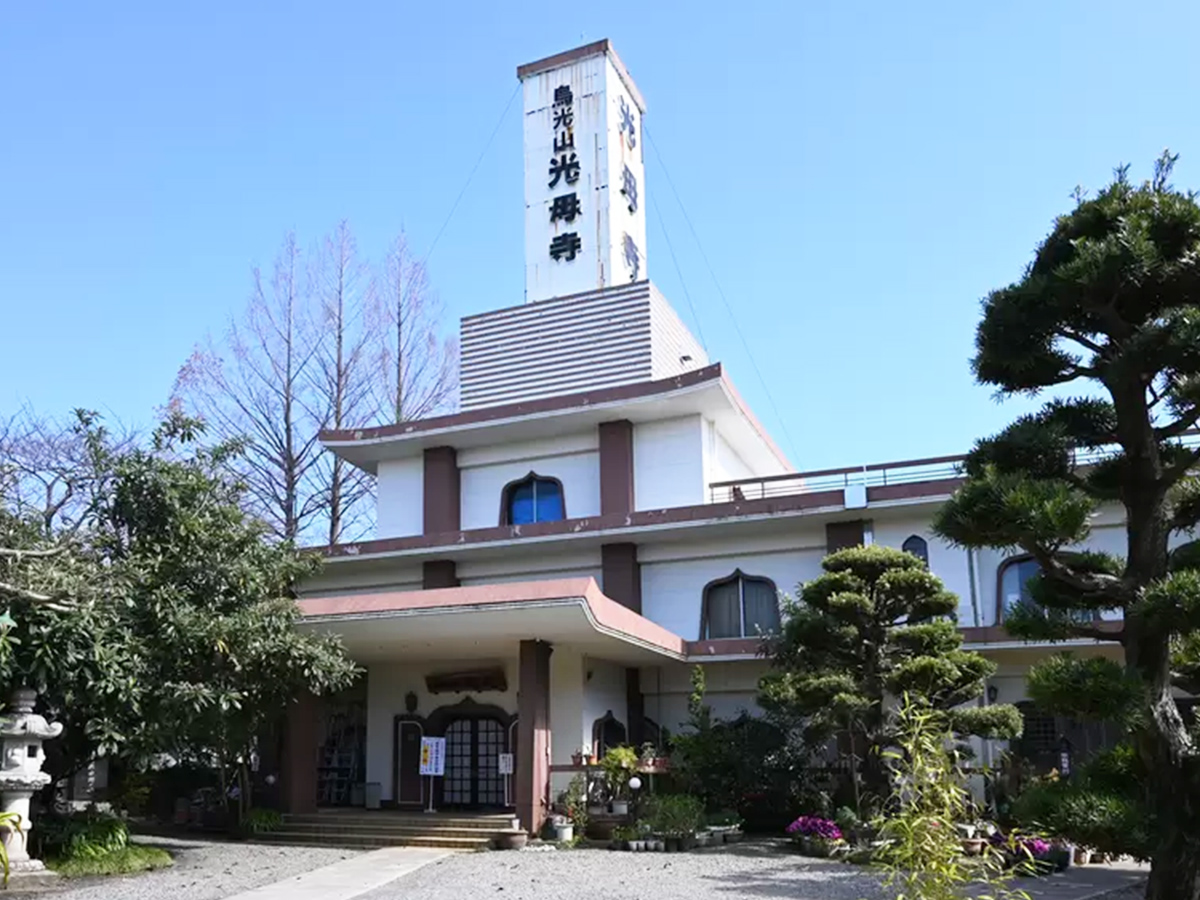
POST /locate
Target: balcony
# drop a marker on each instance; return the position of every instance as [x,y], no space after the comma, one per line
[881,480]
[877,475]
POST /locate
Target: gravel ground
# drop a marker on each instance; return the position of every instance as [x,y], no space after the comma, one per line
[203,870]
[749,870]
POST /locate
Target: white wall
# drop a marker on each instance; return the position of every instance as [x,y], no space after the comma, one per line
[731,690]
[539,567]
[572,459]
[603,690]
[387,684]
[400,497]
[724,462]
[674,576]
[668,463]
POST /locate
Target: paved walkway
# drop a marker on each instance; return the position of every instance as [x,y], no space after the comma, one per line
[348,878]
[1084,882]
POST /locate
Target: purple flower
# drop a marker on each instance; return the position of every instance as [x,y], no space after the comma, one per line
[815,827]
[1035,846]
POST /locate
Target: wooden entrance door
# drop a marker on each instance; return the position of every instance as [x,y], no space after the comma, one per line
[409,783]
[473,748]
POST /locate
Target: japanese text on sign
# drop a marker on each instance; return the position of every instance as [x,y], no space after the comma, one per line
[564,167]
[433,756]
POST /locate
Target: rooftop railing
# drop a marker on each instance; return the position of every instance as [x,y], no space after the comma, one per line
[936,468]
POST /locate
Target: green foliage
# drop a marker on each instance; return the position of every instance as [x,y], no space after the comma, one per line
[674,815]
[921,852]
[83,835]
[259,820]
[164,622]
[1090,688]
[126,861]
[1101,807]
[619,765]
[745,764]
[876,623]
[575,803]
[1111,301]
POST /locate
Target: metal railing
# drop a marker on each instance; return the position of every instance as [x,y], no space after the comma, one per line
[874,475]
[937,468]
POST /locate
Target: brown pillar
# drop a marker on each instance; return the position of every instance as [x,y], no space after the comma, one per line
[299,771]
[840,535]
[616,467]
[635,708]
[439,573]
[442,490]
[533,735]
[621,574]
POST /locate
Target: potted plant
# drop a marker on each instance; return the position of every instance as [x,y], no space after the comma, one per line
[564,829]
[816,836]
[577,758]
[725,827]
[574,802]
[676,817]
[620,764]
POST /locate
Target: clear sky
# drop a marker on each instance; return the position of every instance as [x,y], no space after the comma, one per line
[859,175]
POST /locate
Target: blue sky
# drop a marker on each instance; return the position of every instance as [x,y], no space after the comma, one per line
[859,175]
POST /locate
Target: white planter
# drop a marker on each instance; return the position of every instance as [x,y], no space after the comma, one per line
[620,807]
[564,833]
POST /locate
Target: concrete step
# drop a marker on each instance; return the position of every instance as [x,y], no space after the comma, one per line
[370,840]
[415,820]
[388,831]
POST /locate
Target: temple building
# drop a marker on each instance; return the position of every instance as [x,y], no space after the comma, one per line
[602,513]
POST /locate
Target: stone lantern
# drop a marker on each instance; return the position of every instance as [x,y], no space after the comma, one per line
[21,734]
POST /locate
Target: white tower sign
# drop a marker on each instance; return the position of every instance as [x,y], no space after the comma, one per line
[585,217]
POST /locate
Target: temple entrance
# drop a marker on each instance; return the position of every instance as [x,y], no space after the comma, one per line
[473,748]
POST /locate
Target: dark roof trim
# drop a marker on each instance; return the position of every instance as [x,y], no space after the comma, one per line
[640,519]
[580,400]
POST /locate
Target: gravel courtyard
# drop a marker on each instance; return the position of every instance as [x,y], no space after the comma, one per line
[203,870]
[747,871]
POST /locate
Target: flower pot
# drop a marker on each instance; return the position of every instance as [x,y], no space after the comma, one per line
[704,838]
[577,759]
[819,848]
[511,840]
[973,846]
[564,833]
[672,844]
[734,836]
[620,807]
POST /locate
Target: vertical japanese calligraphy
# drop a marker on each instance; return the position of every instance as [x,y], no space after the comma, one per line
[564,167]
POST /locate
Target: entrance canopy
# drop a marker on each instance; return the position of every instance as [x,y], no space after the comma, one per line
[489,621]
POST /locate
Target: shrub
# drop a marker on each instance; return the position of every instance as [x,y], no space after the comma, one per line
[1099,807]
[86,835]
[260,820]
[815,827]
[675,815]
[619,764]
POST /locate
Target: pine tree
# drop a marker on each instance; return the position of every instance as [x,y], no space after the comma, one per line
[1111,305]
[875,625]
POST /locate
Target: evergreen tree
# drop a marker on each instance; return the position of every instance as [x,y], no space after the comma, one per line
[1111,304]
[875,625]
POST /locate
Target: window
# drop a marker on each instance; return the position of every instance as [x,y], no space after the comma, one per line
[533,499]
[915,544]
[1014,582]
[739,606]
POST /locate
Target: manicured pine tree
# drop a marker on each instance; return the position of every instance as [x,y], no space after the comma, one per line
[875,625]
[1110,304]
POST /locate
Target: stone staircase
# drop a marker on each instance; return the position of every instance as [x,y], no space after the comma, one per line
[362,830]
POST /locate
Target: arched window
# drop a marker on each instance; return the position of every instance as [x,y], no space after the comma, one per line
[1013,582]
[739,606]
[533,499]
[607,732]
[915,544]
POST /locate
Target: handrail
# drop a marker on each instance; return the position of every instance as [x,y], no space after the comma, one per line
[932,468]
